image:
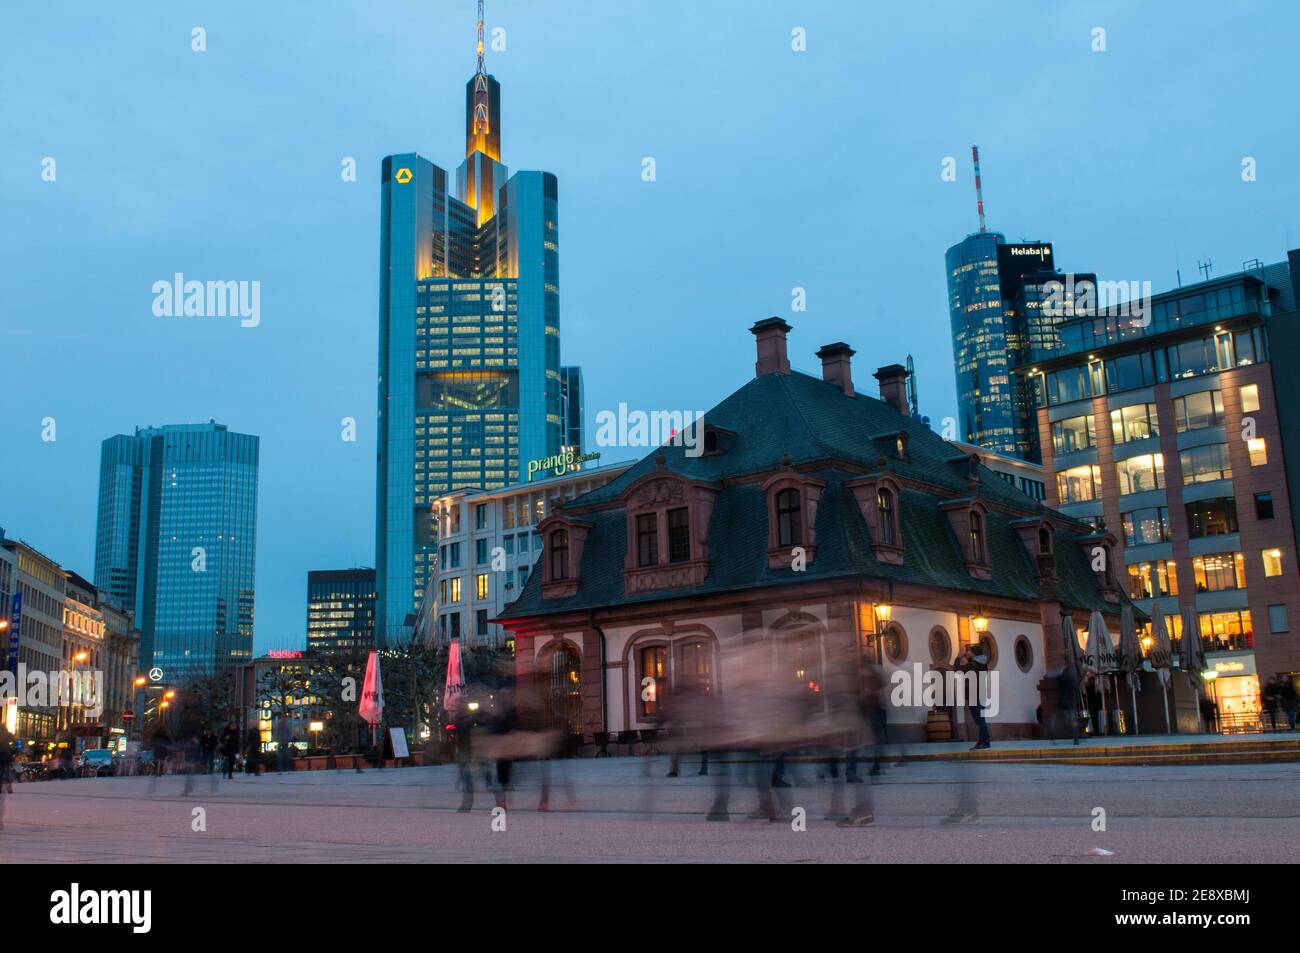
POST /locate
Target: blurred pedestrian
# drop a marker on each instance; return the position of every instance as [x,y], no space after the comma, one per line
[1288,699]
[974,660]
[229,743]
[208,745]
[252,751]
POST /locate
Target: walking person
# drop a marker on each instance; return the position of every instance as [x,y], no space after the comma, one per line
[1271,696]
[1289,699]
[229,743]
[974,660]
[208,747]
[252,751]
[1067,700]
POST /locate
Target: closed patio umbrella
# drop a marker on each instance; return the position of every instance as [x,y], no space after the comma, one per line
[371,708]
[1161,655]
[455,688]
[1099,656]
[1191,653]
[1130,657]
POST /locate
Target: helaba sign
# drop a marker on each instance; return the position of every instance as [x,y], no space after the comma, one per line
[568,459]
[1031,251]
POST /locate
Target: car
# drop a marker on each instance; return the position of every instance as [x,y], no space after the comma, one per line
[96,763]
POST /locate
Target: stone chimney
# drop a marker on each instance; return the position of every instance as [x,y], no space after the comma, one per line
[770,337]
[893,387]
[837,365]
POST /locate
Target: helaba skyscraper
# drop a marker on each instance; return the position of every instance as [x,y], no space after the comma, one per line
[176,542]
[994,292]
[469,340]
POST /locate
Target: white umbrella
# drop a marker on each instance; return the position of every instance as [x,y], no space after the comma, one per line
[1130,656]
[1099,655]
[1191,652]
[1161,654]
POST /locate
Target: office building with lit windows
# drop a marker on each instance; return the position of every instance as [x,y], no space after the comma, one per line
[176,543]
[994,301]
[469,345]
[340,611]
[478,526]
[1165,429]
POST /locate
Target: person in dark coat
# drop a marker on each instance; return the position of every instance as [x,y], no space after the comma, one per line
[252,751]
[973,659]
[1289,699]
[208,748]
[1067,700]
[229,743]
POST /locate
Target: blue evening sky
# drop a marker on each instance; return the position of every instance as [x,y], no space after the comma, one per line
[775,169]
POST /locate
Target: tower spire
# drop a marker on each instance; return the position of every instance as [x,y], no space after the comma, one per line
[480,37]
[975,154]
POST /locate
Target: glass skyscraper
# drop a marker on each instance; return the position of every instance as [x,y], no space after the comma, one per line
[175,543]
[571,401]
[994,291]
[469,342]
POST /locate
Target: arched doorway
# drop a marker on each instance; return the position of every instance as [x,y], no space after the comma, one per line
[562,694]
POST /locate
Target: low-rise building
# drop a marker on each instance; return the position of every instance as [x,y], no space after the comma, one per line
[816,530]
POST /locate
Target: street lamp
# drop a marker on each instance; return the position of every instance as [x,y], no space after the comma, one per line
[882,612]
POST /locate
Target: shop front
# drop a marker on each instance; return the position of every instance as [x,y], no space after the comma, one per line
[1233,685]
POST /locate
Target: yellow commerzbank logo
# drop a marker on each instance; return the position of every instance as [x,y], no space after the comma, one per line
[403,175]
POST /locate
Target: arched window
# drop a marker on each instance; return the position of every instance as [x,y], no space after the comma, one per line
[1044,541]
[562,701]
[559,554]
[977,537]
[885,506]
[789,528]
[652,678]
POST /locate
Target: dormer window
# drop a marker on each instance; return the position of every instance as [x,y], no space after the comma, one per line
[887,515]
[679,535]
[968,518]
[560,554]
[878,501]
[647,539]
[564,537]
[792,501]
[1044,541]
[667,531]
[977,550]
[789,527]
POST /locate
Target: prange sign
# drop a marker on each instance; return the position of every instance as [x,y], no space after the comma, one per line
[15,630]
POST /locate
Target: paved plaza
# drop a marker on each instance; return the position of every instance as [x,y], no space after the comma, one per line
[627,810]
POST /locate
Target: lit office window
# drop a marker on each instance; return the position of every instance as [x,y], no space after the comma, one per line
[1272,562]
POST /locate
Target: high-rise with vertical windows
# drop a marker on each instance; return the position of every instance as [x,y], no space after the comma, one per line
[175,543]
[469,341]
[571,404]
[340,611]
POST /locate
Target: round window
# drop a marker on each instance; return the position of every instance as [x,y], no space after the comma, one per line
[940,646]
[1024,653]
[895,642]
[990,646]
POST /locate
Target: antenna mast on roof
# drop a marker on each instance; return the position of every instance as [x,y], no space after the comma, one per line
[913,403]
[979,187]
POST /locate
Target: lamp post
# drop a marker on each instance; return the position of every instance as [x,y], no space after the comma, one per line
[881,612]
